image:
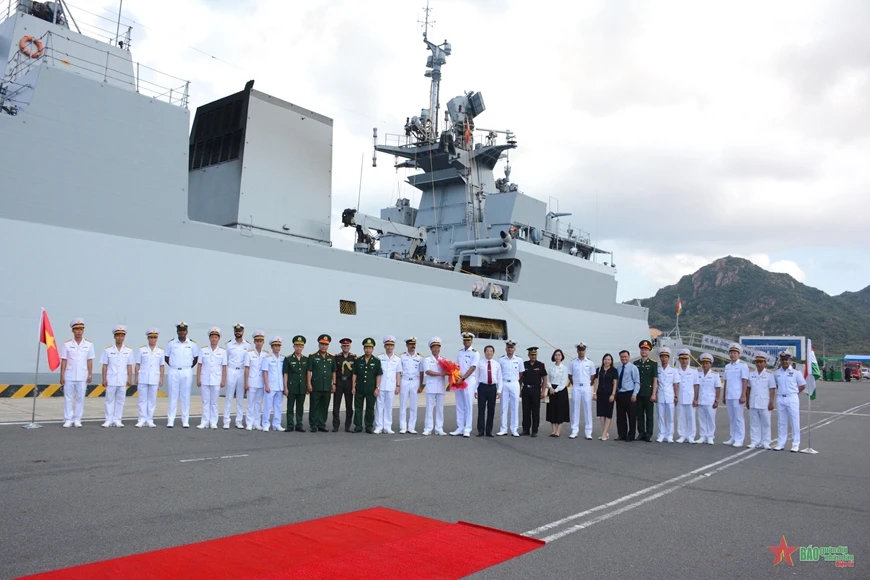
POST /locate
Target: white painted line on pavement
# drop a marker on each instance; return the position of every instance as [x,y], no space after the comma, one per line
[728,462]
[211,458]
[841,413]
[631,496]
[647,499]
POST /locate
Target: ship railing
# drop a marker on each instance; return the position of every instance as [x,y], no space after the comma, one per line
[144,80]
[568,232]
[396,140]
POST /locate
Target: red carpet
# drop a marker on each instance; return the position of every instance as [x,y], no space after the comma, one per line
[374,543]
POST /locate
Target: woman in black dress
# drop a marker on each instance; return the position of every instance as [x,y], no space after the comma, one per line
[558,411]
[606,393]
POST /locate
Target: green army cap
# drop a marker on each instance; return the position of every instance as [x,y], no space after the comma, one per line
[324,338]
[298,339]
[368,342]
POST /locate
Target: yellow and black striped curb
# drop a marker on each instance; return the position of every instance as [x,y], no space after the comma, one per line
[46,391]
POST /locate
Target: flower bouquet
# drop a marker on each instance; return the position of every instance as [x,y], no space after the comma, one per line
[454,376]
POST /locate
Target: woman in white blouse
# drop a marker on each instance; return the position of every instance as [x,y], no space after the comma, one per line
[558,410]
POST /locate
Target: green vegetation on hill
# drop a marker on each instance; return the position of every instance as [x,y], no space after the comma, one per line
[733,297]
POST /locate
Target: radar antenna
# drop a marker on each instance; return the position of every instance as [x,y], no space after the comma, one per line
[425,127]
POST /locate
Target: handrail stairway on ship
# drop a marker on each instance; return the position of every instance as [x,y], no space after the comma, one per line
[717,346]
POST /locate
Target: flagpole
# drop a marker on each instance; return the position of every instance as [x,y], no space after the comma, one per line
[809,448]
[33,424]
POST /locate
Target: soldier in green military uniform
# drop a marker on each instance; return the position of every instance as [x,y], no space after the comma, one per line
[295,368]
[366,386]
[646,396]
[321,383]
[343,386]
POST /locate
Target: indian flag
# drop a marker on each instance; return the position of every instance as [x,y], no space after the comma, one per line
[811,370]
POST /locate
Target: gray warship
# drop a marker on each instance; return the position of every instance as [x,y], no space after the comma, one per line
[116,210]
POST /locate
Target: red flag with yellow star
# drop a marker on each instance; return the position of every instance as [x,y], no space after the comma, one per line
[46,337]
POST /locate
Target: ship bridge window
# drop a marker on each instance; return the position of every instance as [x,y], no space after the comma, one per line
[347,307]
[488,328]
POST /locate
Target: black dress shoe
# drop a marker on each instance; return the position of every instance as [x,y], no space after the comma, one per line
[490,435]
[325,430]
[534,434]
[370,431]
[480,433]
[357,430]
[524,433]
[300,429]
[334,429]
[348,429]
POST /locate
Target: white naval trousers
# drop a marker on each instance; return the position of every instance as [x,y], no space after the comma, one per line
[735,419]
[465,407]
[510,405]
[235,391]
[115,397]
[759,427]
[147,402]
[73,400]
[706,421]
[210,396]
[272,403]
[788,407]
[384,408]
[179,387]
[434,406]
[254,412]
[665,411]
[408,399]
[686,421]
[581,398]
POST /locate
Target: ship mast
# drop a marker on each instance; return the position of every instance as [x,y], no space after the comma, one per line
[433,64]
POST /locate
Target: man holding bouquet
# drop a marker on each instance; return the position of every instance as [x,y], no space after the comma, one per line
[468,359]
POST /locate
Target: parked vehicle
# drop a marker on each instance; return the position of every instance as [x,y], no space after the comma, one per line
[865,373]
[852,370]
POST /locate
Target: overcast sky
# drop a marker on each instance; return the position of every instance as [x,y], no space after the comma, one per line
[675,132]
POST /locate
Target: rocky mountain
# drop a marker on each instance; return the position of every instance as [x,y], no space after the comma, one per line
[733,297]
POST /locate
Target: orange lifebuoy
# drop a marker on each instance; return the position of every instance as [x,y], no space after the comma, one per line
[25,43]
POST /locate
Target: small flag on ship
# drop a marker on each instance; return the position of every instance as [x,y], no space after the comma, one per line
[679,306]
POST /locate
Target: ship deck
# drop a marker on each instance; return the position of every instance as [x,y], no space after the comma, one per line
[638,510]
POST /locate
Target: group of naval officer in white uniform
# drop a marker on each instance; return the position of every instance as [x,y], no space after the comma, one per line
[759,390]
[242,367]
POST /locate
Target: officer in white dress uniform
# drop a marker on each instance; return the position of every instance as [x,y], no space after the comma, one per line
[666,396]
[736,383]
[76,371]
[411,385]
[237,353]
[511,375]
[117,361]
[581,373]
[181,356]
[759,400]
[468,360]
[391,365]
[789,384]
[211,375]
[254,381]
[687,391]
[150,367]
[707,401]
[435,385]
[273,379]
